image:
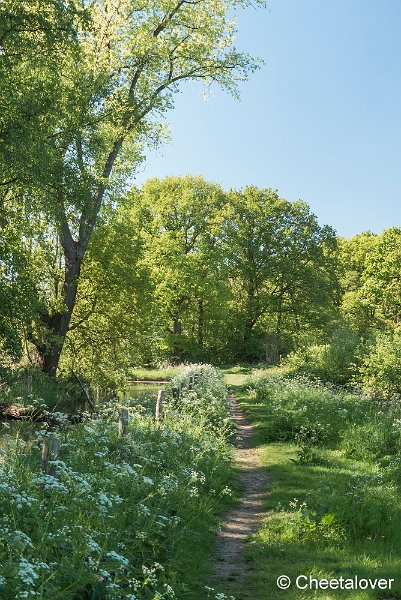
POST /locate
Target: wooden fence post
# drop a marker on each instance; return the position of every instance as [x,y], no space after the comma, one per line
[159,406]
[123,422]
[50,451]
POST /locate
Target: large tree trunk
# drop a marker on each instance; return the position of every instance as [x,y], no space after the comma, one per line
[57,324]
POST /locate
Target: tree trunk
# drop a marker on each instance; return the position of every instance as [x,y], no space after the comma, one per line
[177,330]
[57,324]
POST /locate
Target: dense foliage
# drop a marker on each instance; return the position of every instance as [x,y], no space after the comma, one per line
[96,278]
[186,271]
[84,87]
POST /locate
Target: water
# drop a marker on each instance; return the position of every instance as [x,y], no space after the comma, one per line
[140,390]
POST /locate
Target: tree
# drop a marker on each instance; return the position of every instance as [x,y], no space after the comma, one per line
[113,74]
[371,282]
[381,289]
[113,323]
[152,283]
[17,295]
[355,306]
[184,259]
[282,269]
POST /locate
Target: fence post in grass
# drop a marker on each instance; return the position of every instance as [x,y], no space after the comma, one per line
[191,383]
[159,406]
[123,422]
[50,451]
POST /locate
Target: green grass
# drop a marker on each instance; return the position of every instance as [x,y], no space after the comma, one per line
[275,550]
[143,374]
[235,380]
[237,376]
[351,519]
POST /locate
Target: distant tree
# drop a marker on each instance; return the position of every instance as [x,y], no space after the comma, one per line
[282,268]
[184,259]
[381,289]
[358,311]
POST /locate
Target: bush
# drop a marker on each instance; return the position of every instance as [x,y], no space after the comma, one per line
[306,412]
[335,362]
[28,385]
[203,398]
[371,440]
[330,426]
[380,371]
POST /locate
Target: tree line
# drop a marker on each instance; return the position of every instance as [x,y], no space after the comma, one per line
[183,271]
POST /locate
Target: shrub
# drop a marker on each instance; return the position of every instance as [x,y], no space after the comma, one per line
[311,413]
[303,523]
[330,426]
[335,362]
[380,371]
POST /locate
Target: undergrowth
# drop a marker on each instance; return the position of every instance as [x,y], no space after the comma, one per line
[334,460]
[122,518]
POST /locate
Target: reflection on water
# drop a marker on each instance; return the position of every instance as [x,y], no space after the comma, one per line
[145,394]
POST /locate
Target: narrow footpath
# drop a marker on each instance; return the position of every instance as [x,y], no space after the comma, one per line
[229,566]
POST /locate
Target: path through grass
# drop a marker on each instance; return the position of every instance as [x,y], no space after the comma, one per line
[230,570]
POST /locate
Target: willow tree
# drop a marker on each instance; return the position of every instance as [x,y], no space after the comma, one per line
[103,95]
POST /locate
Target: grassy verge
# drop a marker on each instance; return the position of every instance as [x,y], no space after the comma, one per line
[335,500]
[166,374]
[237,376]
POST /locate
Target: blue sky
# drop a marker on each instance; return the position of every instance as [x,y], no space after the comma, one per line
[321,120]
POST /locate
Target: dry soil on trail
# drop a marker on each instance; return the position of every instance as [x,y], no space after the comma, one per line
[230,570]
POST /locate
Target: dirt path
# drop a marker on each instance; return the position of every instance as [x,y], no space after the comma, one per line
[229,567]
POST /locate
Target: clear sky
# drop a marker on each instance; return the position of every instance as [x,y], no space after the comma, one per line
[321,120]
